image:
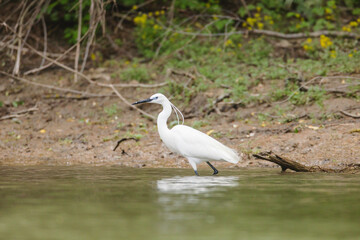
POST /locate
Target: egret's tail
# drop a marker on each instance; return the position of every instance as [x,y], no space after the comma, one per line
[231,155]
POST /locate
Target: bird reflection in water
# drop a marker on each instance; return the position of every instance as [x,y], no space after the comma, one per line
[181,197]
[195,185]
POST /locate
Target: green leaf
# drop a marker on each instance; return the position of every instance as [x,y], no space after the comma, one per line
[17,103]
[356,11]
[290,14]
[319,11]
[242,12]
[331,3]
[220,25]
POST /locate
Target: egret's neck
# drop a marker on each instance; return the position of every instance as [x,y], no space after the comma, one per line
[162,119]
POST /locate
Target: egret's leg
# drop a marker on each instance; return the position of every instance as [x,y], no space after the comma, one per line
[213,168]
[193,165]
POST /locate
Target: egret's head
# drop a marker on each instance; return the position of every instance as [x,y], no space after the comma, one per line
[156,98]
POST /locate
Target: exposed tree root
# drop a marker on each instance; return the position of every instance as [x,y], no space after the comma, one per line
[286,163]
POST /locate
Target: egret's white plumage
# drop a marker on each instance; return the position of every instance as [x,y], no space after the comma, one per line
[196,146]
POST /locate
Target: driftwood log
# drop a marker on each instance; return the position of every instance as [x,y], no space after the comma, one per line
[286,163]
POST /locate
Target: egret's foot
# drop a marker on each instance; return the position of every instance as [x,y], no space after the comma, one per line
[196,172]
[213,168]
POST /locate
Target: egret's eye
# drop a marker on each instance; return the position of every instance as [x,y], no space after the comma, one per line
[156,98]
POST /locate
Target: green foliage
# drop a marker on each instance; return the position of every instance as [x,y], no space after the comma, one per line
[111,110]
[17,103]
[199,124]
[296,96]
[65,13]
[135,72]
[137,136]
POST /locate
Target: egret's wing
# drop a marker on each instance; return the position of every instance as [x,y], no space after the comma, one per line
[193,143]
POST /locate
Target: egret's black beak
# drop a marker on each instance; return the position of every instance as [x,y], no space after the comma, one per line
[143,101]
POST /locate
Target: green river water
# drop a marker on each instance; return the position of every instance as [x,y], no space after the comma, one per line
[124,203]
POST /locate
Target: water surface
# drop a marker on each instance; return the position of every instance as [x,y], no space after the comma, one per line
[120,203]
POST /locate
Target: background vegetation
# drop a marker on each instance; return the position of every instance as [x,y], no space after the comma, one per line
[257,52]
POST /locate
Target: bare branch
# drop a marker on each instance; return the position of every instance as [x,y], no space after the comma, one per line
[19,113]
[52,87]
[349,114]
[77,56]
[45,40]
[130,105]
[269,33]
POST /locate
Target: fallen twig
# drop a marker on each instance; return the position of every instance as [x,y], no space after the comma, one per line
[130,105]
[349,114]
[53,87]
[286,163]
[123,140]
[269,33]
[19,113]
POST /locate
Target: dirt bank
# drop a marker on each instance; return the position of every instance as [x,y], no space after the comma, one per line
[67,129]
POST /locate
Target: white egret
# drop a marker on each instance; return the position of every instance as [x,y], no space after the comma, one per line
[194,145]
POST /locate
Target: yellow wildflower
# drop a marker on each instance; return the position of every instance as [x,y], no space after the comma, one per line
[135,7]
[353,24]
[228,42]
[42,131]
[346,29]
[156,27]
[207,5]
[150,14]
[328,11]
[358,20]
[260,25]
[333,53]
[297,15]
[325,42]
[271,22]
[239,45]
[162,12]
[198,25]
[307,47]
[157,13]
[127,62]
[309,40]
[258,9]
[244,24]
[215,17]
[141,19]
[350,55]
[251,21]
[257,15]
